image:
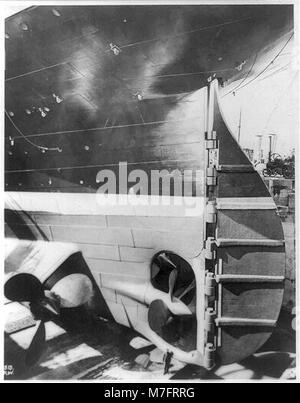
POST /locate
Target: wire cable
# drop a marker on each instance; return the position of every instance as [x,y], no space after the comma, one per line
[26,139]
[171,161]
[194,73]
[270,64]
[162,38]
[279,70]
[109,128]
[245,78]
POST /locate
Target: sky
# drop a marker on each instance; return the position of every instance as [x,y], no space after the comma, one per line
[268,104]
[10,9]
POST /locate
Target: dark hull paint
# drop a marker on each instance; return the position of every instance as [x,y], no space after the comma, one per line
[163,49]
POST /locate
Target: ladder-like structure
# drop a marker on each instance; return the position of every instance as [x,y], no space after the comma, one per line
[244,248]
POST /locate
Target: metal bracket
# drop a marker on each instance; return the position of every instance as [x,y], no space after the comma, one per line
[211,176]
[211,212]
[211,141]
[210,248]
[210,285]
[210,327]
[210,317]
[212,135]
[211,144]
[209,356]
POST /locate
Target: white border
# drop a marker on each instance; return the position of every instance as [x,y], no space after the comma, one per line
[4,4]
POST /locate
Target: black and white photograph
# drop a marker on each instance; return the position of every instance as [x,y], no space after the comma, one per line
[149,192]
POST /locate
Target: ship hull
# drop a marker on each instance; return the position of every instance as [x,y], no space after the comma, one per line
[120,237]
[115,143]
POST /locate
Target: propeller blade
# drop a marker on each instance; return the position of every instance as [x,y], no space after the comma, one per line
[164,259]
[172,281]
[158,316]
[37,346]
[47,307]
[23,287]
[138,343]
[188,289]
[51,303]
